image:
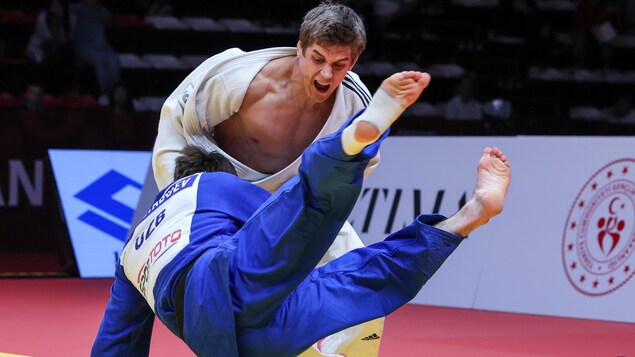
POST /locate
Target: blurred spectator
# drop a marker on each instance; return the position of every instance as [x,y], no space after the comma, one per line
[47,128]
[89,38]
[498,118]
[50,40]
[33,97]
[592,34]
[120,99]
[464,105]
[50,45]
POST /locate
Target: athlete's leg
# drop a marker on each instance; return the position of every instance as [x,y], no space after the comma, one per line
[395,94]
[363,284]
[374,281]
[287,237]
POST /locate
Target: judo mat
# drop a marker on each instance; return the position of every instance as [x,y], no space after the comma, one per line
[59,317]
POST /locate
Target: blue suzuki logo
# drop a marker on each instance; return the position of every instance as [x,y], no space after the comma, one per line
[100,194]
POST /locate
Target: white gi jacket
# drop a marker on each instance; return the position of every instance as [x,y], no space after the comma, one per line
[212,93]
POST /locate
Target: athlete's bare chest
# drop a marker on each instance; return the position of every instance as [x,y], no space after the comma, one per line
[270,133]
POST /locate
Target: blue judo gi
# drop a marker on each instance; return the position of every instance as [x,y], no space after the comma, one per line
[250,286]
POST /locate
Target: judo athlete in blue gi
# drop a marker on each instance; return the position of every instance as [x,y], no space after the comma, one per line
[230,268]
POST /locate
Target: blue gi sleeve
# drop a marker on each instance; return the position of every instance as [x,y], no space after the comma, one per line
[127,324]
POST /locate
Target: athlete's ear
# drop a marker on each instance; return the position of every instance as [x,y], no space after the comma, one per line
[353,63]
[298,49]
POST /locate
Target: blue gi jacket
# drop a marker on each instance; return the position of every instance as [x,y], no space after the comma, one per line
[228,202]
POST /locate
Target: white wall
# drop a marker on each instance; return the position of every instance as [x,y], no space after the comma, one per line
[517,262]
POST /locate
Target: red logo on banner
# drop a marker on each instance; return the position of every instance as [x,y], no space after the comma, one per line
[599,236]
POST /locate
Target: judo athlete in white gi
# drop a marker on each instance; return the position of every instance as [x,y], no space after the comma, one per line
[261,109]
[230,268]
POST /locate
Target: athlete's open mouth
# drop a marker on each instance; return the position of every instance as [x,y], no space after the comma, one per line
[321,87]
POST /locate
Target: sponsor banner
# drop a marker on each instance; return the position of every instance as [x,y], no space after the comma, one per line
[563,245]
[419,175]
[98,191]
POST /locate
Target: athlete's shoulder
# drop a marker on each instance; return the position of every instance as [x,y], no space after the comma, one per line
[226,182]
[243,65]
[223,56]
[220,177]
[275,51]
[353,84]
[230,194]
[263,54]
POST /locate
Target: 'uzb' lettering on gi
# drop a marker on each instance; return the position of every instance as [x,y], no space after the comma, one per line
[160,236]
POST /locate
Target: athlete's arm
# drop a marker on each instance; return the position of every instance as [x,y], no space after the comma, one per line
[179,125]
[169,142]
[127,324]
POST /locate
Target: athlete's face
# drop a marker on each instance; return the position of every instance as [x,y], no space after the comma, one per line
[323,68]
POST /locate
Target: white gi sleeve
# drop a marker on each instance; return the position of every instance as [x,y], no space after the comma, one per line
[172,136]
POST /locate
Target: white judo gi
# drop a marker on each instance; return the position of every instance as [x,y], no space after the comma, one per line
[212,93]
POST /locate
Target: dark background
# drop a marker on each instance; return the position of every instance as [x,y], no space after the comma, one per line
[505,47]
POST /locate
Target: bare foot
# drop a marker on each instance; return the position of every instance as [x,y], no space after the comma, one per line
[492,182]
[405,87]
